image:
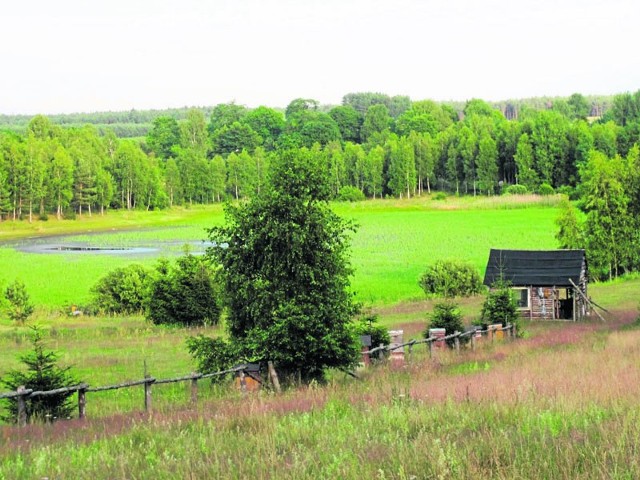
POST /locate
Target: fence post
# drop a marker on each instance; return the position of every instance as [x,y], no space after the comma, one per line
[22,407]
[147,392]
[410,352]
[514,332]
[82,403]
[381,352]
[430,344]
[194,389]
[243,383]
[274,376]
[473,342]
[457,341]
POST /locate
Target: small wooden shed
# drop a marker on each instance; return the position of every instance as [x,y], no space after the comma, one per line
[548,284]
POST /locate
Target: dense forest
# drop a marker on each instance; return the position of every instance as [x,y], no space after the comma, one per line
[373,145]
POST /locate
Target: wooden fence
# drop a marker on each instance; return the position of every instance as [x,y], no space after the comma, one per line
[82,389]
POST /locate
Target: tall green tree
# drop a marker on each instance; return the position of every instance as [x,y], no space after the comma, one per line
[218,176]
[349,121]
[267,123]
[610,235]
[172,182]
[524,158]
[193,132]
[60,180]
[336,167]
[402,167]
[234,138]
[164,136]
[286,271]
[375,176]
[225,115]
[570,234]
[376,121]
[354,159]
[487,163]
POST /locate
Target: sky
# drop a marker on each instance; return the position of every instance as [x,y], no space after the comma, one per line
[94,55]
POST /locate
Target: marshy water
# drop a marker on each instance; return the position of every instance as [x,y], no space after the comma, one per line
[131,243]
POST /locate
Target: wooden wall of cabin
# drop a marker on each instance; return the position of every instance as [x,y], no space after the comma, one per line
[542,303]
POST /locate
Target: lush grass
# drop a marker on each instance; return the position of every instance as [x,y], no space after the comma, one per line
[561,404]
[394,242]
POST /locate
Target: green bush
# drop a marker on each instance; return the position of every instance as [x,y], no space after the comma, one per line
[516,190]
[571,192]
[349,193]
[42,374]
[445,315]
[184,294]
[212,354]
[122,291]
[449,278]
[546,189]
[19,306]
[439,196]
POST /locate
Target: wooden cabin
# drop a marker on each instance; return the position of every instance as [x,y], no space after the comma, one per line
[548,284]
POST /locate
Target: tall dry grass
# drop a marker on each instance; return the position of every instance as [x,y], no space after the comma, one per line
[560,404]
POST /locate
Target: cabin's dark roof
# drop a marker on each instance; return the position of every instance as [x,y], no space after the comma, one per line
[535,267]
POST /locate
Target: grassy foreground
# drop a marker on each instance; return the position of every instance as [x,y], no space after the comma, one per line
[561,404]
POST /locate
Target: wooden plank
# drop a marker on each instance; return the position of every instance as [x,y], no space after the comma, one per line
[274,376]
[586,299]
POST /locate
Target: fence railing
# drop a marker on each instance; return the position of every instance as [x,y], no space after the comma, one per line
[23,394]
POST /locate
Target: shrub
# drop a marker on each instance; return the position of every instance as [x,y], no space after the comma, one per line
[500,306]
[516,190]
[349,193]
[42,374]
[546,189]
[122,291]
[571,192]
[439,196]
[449,278]
[445,315]
[20,307]
[212,354]
[184,294]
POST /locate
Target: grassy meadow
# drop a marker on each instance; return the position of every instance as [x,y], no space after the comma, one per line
[560,403]
[394,243]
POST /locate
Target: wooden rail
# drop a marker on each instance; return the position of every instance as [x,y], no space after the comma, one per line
[82,389]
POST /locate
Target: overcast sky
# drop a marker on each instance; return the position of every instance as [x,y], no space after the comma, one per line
[90,55]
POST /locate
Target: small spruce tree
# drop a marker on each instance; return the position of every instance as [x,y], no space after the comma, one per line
[500,306]
[42,374]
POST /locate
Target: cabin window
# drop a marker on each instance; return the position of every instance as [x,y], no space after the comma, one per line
[522,297]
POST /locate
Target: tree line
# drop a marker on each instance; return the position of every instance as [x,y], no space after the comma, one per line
[372,145]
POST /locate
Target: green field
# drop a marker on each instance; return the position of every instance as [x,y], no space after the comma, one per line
[561,403]
[394,243]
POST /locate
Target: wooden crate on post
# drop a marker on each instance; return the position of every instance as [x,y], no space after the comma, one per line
[498,333]
[395,348]
[248,377]
[438,334]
